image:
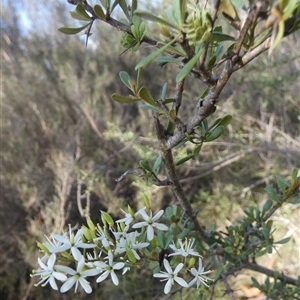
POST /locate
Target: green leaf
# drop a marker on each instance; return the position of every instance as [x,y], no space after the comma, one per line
[161,239]
[125,78]
[106,4]
[154,266]
[177,50]
[134,6]
[217,36]
[255,282]
[186,158]
[197,149]
[267,206]
[179,8]
[149,107]
[283,241]
[154,54]
[107,218]
[283,185]
[124,7]
[215,134]
[164,93]
[81,11]
[295,173]
[266,233]
[229,249]
[225,121]
[70,31]
[169,240]
[155,19]
[99,12]
[130,255]
[289,9]
[272,193]
[172,114]
[219,270]
[169,100]
[145,165]
[280,34]
[157,164]
[122,99]
[184,233]
[168,59]
[146,96]
[204,93]
[189,66]
[75,15]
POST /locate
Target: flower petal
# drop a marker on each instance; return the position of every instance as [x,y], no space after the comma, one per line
[65,269]
[114,278]
[118,266]
[53,283]
[59,276]
[140,225]
[103,276]
[86,286]
[158,215]
[150,233]
[160,226]
[168,286]
[67,285]
[160,275]
[180,281]
[178,268]
[167,266]
[51,261]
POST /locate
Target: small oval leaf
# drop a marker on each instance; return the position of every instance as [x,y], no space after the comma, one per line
[220,37]
[75,15]
[144,164]
[215,134]
[154,54]
[189,66]
[183,160]
[125,78]
[81,11]
[70,31]
[146,96]
[122,99]
[155,18]
[99,12]
[149,107]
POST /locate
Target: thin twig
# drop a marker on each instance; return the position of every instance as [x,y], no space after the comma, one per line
[271,273]
[172,176]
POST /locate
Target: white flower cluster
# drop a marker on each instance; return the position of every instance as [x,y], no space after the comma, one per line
[101,251]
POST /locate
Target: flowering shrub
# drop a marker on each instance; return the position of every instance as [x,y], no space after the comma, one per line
[172,242]
[103,251]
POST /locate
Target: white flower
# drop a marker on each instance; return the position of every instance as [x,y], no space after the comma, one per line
[78,276]
[129,217]
[130,242]
[52,244]
[171,276]
[71,242]
[48,274]
[102,238]
[185,249]
[199,278]
[109,269]
[150,223]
